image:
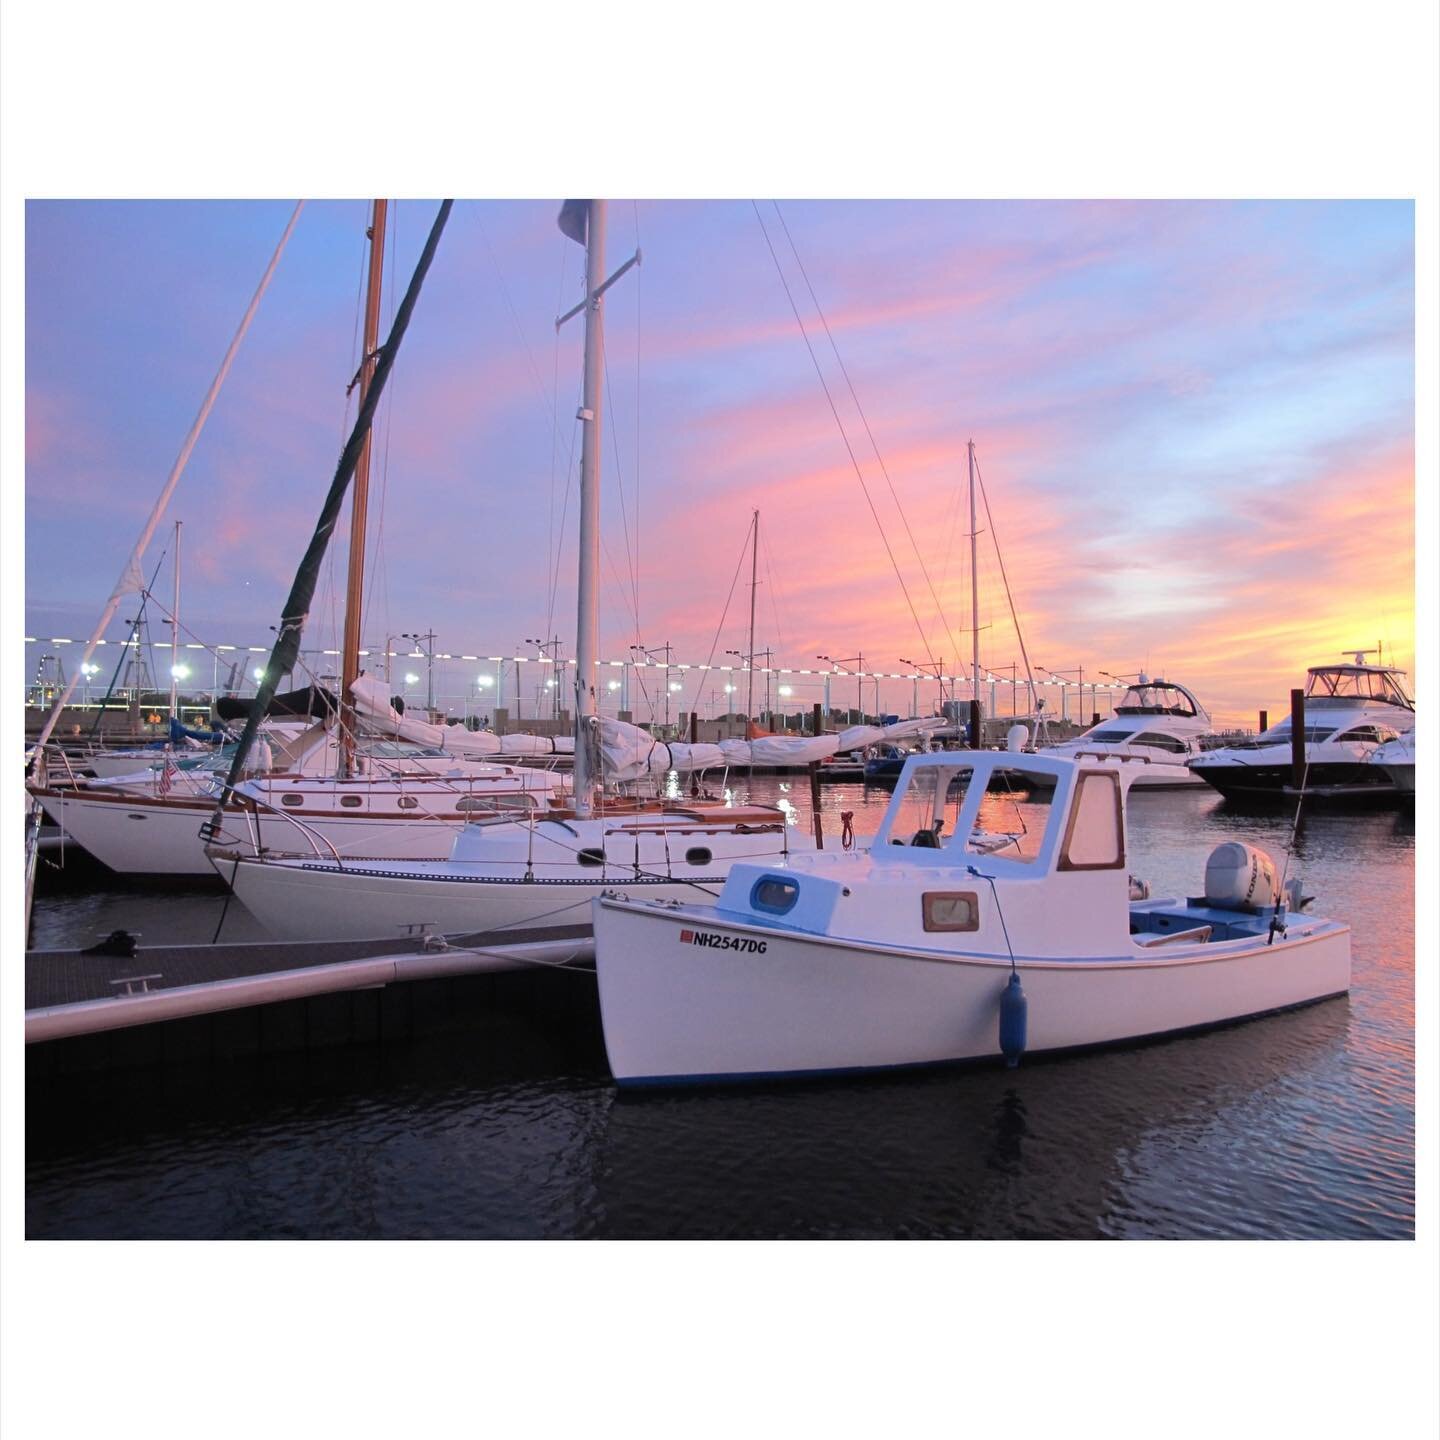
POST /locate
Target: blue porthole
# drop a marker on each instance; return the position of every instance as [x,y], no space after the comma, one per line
[774,894]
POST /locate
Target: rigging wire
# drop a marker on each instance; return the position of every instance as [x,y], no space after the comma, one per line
[709,659]
[859,474]
[1009,598]
[864,420]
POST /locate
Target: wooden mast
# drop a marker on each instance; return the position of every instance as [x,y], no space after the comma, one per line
[175,635]
[355,581]
[750,658]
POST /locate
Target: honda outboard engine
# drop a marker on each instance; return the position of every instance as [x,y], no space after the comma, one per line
[1240,877]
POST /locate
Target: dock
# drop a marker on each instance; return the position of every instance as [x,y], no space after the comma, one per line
[191,1001]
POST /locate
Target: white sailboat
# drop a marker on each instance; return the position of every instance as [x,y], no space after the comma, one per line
[543,875]
[950,939]
[334,790]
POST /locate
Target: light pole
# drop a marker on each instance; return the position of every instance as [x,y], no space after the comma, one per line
[428,651]
[1120,680]
[858,673]
[482,684]
[666,650]
[550,647]
[1079,672]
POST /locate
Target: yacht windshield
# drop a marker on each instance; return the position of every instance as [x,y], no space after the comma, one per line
[1155,699]
[1313,733]
[1355,682]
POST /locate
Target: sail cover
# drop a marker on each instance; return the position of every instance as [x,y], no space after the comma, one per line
[372,704]
[629,753]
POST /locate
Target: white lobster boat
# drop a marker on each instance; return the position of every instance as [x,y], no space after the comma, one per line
[932,948]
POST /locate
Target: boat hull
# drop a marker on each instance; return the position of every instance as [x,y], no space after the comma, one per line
[1243,781]
[688,998]
[366,902]
[135,835]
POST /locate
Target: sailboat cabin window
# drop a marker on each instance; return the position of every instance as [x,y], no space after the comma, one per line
[1093,838]
[351,802]
[292,800]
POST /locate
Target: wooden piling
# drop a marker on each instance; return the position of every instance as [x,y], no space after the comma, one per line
[1297,739]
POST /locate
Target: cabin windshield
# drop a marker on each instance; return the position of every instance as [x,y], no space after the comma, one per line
[929,803]
[1313,733]
[1011,822]
[1157,699]
[1350,682]
[1105,736]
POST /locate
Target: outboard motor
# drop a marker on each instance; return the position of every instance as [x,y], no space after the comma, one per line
[1017,737]
[1241,877]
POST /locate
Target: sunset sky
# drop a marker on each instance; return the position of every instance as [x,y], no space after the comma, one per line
[1194,421]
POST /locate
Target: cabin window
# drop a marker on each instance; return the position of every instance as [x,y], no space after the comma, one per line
[1108,737]
[774,894]
[947,910]
[1157,741]
[697,855]
[591,856]
[292,799]
[407,802]
[351,802]
[473,802]
[1093,836]
[1370,734]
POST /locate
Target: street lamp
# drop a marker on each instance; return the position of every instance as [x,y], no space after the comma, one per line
[667,649]
[859,678]
[428,651]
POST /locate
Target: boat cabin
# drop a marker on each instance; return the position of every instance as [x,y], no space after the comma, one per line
[960,805]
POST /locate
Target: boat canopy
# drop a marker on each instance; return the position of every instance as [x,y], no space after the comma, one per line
[1350,683]
[1158,697]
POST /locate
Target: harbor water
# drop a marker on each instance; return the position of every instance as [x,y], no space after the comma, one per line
[1299,1125]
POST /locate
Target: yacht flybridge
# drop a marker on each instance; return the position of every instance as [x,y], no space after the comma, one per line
[1350,711]
[975,926]
[1157,726]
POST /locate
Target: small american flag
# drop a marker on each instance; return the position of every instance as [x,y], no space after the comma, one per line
[168,772]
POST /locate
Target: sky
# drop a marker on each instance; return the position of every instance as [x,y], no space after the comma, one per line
[1194,422]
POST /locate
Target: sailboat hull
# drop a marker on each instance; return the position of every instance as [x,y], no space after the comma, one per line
[142,835]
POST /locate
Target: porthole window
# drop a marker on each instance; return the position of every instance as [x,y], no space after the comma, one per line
[591,856]
[407,802]
[774,894]
[292,799]
[697,855]
[351,802]
[944,910]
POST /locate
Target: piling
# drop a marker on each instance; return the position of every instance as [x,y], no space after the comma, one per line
[1297,739]
[815,803]
[1264,721]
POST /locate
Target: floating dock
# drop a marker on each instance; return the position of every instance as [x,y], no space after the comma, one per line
[273,994]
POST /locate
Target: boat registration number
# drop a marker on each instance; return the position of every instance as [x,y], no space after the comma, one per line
[722,942]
